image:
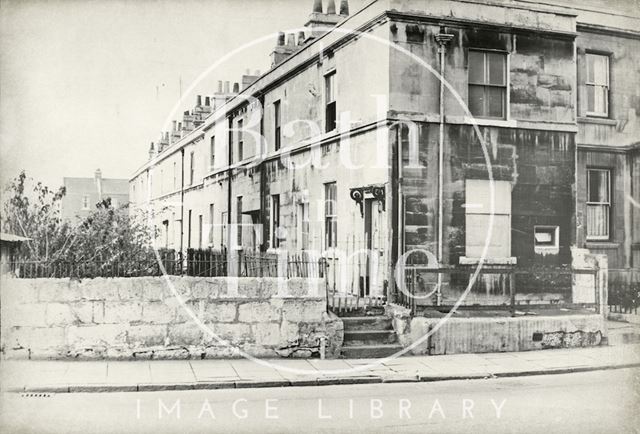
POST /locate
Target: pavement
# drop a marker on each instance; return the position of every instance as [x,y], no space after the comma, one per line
[586,402]
[138,376]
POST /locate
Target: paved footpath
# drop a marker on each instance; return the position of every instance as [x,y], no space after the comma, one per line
[120,376]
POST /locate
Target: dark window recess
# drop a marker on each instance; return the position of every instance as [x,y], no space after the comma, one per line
[240,140]
[277,120]
[330,100]
[239,219]
[275,220]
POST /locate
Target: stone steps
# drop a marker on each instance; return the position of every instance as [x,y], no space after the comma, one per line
[370,336]
[376,322]
[370,351]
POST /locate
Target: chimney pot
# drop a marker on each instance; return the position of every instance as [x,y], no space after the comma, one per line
[317,6]
[207,101]
[280,39]
[226,87]
[257,72]
[199,100]
[331,7]
[219,86]
[175,125]
[300,37]
[236,87]
[291,39]
[344,7]
[98,174]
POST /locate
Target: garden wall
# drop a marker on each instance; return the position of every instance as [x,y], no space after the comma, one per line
[141,318]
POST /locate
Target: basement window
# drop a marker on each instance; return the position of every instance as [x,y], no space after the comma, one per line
[488,84]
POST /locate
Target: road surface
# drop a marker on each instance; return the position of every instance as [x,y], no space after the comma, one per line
[593,402]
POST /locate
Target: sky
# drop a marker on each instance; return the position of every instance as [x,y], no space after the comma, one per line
[87,84]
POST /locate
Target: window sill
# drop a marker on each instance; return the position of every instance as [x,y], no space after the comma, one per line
[597,120]
[463,260]
[491,122]
[607,245]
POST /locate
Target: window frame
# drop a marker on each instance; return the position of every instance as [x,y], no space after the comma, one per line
[304,226]
[275,220]
[240,139]
[239,221]
[608,205]
[486,84]
[277,125]
[330,105]
[86,206]
[212,152]
[192,167]
[331,215]
[589,84]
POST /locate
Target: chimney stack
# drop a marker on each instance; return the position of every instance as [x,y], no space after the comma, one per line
[98,178]
[152,151]
[344,7]
[331,7]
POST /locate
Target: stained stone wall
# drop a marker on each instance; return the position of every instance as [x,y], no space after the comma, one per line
[148,318]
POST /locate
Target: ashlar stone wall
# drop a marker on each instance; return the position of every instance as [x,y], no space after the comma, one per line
[143,318]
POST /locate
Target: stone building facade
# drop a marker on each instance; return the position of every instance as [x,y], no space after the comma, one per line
[402,128]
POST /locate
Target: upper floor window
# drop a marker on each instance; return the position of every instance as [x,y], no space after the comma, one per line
[175,176]
[240,140]
[330,101]
[597,85]
[85,202]
[488,84]
[212,151]
[192,167]
[598,203]
[276,124]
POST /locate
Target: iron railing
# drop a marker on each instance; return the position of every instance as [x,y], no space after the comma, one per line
[497,288]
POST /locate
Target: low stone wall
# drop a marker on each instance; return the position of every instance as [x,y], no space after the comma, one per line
[122,318]
[489,335]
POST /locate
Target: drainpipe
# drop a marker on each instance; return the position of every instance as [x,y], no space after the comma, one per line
[229,201]
[442,39]
[181,210]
